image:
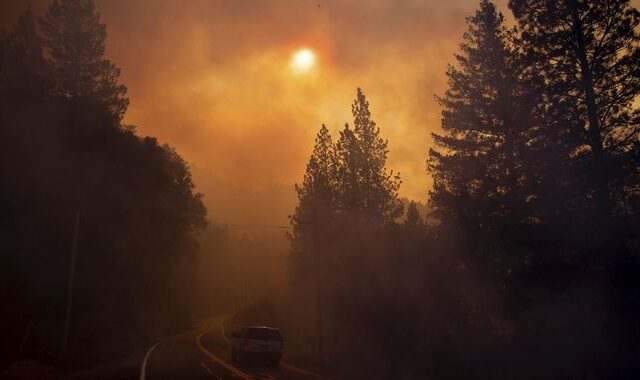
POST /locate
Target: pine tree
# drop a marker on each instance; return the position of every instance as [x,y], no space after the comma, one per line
[414,220]
[367,192]
[75,41]
[587,52]
[3,53]
[314,215]
[479,166]
[24,72]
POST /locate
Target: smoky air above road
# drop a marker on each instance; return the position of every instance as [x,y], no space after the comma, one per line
[342,189]
[214,80]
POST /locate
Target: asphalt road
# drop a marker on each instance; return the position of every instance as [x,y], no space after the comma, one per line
[204,353]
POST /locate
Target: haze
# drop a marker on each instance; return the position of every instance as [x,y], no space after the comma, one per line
[212,78]
[346,189]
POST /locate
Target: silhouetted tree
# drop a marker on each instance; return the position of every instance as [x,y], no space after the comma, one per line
[346,205]
[64,152]
[588,53]
[483,178]
[26,75]
[413,220]
[525,176]
[75,42]
[367,192]
[315,213]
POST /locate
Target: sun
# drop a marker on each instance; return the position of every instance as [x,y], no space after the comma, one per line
[303,60]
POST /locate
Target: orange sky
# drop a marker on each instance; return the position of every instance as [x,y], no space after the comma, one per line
[212,78]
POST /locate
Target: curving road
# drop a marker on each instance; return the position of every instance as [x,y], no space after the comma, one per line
[204,354]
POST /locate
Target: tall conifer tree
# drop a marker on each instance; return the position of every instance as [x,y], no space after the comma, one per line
[314,215]
[479,165]
[588,54]
[367,190]
[24,72]
[413,220]
[75,40]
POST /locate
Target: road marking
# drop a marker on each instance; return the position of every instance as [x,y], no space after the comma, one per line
[206,368]
[283,364]
[224,333]
[304,371]
[143,368]
[217,360]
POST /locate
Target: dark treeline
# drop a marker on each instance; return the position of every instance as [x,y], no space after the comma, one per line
[68,161]
[531,266]
[527,264]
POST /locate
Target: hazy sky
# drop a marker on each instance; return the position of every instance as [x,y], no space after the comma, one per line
[212,78]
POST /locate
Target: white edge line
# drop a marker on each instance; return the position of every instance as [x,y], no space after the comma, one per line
[216,359]
[300,370]
[143,367]
[284,364]
[224,332]
[207,368]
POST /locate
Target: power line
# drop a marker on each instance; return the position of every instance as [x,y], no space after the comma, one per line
[250,225]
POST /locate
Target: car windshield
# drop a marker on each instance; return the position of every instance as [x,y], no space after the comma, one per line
[264,334]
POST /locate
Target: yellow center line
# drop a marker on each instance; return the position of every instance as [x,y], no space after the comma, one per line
[283,364]
[218,360]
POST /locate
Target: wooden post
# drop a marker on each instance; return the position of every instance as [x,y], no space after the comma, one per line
[318,281]
[72,269]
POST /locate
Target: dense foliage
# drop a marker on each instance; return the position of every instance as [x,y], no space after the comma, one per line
[530,263]
[527,264]
[66,158]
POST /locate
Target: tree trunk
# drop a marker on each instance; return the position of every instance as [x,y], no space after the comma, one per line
[595,133]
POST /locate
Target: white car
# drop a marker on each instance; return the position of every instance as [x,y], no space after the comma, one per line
[257,342]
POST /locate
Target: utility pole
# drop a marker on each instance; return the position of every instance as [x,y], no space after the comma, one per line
[72,269]
[317,259]
[245,293]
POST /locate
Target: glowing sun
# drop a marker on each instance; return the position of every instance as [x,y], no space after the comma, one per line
[303,60]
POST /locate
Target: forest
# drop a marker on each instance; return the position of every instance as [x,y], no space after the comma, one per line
[521,261]
[69,163]
[529,268]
